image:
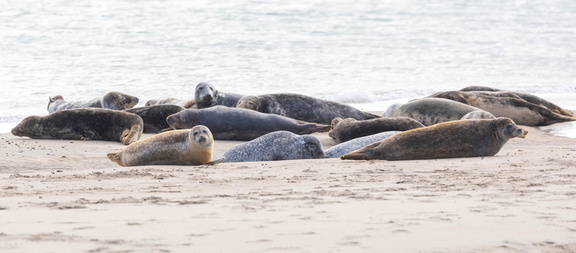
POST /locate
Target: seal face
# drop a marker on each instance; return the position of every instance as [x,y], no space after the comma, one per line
[275,146]
[228,123]
[111,100]
[430,111]
[462,138]
[348,129]
[154,117]
[206,96]
[180,147]
[302,107]
[83,124]
[357,143]
[524,109]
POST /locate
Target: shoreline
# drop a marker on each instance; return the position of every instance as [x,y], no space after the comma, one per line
[59,192]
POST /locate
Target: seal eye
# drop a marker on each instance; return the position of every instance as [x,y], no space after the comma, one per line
[195,134]
[204,131]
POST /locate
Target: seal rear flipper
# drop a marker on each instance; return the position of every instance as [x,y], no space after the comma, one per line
[221,160]
[308,128]
[115,157]
[364,153]
[368,115]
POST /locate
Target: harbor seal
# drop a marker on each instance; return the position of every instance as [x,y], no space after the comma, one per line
[357,143]
[228,123]
[460,138]
[480,114]
[186,104]
[207,96]
[275,146]
[347,129]
[154,116]
[180,147]
[111,100]
[83,124]
[430,111]
[516,108]
[302,107]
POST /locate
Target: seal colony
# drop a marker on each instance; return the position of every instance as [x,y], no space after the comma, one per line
[448,124]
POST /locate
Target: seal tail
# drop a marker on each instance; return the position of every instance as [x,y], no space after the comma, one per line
[308,128]
[115,158]
[364,153]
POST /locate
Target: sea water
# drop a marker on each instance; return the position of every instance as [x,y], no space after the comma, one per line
[364,53]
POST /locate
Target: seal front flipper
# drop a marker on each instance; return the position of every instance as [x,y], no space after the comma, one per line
[115,158]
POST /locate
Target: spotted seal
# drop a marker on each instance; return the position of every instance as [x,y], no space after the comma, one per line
[357,143]
[302,107]
[347,129]
[206,96]
[275,146]
[190,103]
[228,123]
[179,147]
[460,138]
[83,124]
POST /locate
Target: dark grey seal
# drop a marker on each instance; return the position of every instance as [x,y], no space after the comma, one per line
[190,103]
[111,100]
[207,96]
[348,129]
[154,116]
[302,107]
[430,111]
[275,146]
[83,124]
[354,144]
[240,124]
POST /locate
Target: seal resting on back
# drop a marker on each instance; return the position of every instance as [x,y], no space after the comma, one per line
[503,104]
[206,96]
[348,129]
[180,147]
[461,138]
[430,111]
[154,116]
[240,124]
[111,100]
[83,124]
[302,107]
[275,146]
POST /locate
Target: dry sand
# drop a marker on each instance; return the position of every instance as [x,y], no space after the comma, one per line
[66,196]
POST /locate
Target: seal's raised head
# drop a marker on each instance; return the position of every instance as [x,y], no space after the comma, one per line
[205,94]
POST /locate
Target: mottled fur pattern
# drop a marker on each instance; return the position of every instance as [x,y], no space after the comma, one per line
[430,111]
[357,143]
[111,100]
[348,129]
[206,96]
[154,116]
[302,107]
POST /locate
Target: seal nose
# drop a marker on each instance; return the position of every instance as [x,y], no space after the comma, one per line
[208,97]
[202,139]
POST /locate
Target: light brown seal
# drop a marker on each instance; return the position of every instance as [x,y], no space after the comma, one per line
[111,100]
[83,124]
[461,138]
[523,112]
[347,129]
[430,111]
[179,147]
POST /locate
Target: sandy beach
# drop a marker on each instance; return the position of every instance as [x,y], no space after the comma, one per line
[66,196]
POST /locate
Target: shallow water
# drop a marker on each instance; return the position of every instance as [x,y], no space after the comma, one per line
[366,53]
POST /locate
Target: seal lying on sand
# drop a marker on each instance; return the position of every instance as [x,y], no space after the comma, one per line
[190,103]
[154,117]
[207,96]
[348,129]
[302,107]
[111,100]
[351,145]
[275,146]
[430,111]
[501,104]
[180,147]
[461,138]
[240,124]
[83,124]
